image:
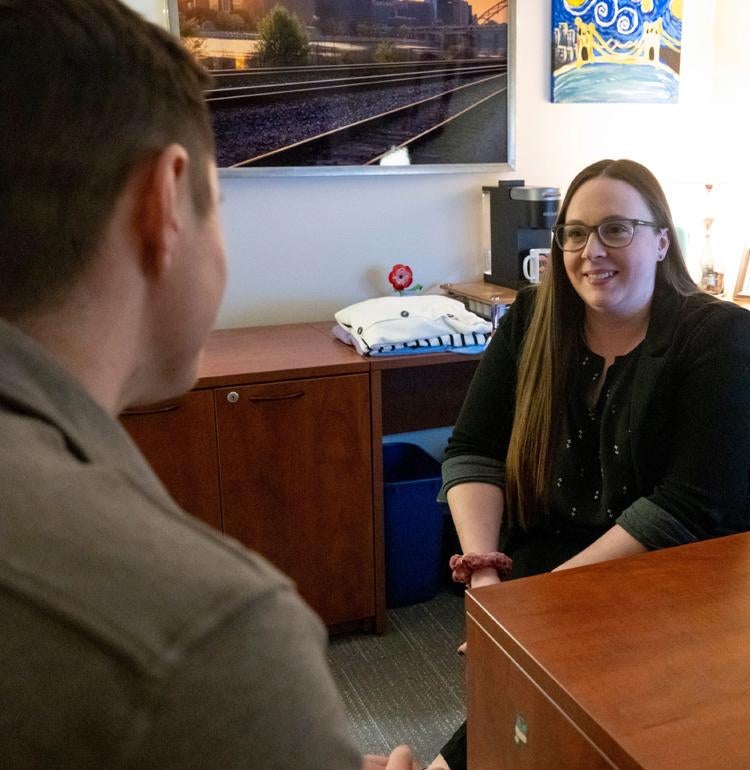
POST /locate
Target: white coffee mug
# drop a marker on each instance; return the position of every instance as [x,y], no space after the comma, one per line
[530,264]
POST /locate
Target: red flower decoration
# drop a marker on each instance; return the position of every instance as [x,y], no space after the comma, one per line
[400,277]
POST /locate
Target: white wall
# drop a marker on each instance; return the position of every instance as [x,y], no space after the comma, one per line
[302,247]
[557,140]
[153,10]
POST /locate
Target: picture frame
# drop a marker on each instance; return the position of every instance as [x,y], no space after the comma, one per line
[742,285]
[423,104]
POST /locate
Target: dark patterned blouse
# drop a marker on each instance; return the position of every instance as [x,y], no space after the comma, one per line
[594,470]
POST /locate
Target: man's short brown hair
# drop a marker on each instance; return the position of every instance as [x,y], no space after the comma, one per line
[89,91]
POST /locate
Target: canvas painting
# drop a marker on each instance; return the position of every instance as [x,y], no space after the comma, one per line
[616,50]
[302,83]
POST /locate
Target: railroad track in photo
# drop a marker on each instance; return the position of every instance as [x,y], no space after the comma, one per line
[354,114]
[233,86]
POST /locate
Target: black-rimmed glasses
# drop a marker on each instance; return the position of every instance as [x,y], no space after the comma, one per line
[615,233]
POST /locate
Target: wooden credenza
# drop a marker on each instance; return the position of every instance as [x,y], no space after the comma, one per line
[641,662]
[280,446]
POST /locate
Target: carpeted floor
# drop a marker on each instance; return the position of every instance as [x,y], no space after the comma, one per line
[406,686]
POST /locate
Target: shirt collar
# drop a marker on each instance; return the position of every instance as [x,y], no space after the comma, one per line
[31,381]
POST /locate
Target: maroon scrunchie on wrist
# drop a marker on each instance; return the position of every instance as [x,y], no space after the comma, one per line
[463,566]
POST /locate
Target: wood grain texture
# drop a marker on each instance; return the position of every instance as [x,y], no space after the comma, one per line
[269,353]
[378,506]
[179,441]
[645,656]
[502,693]
[296,482]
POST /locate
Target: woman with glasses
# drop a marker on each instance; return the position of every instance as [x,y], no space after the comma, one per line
[610,414]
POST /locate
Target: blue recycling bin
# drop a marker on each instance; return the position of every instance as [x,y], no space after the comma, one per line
[413,524]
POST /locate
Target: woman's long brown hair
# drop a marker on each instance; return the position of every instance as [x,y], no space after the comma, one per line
[547,358]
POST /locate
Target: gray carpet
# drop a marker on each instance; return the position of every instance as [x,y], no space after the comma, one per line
[406,686]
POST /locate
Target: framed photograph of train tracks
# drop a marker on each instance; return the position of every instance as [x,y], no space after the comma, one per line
[337,86]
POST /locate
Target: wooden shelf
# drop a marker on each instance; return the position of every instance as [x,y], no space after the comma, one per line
[288,451]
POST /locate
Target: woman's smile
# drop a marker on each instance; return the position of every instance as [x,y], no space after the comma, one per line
[599,277]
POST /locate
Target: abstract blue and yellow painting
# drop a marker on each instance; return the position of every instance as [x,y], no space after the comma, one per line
[616,50]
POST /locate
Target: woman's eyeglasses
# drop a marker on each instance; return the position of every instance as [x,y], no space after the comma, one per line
[614,233]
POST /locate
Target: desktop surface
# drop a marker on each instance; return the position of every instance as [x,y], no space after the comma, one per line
[634,663]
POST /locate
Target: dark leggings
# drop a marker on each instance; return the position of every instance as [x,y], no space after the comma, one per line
[454,752]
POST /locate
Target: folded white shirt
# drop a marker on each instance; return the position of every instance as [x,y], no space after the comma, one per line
[396,320]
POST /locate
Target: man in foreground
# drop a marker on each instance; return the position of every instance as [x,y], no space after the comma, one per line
[131,635]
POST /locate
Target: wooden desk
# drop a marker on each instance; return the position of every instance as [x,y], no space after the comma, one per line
[636,663]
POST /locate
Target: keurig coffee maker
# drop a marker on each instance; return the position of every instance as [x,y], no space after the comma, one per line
[520,218]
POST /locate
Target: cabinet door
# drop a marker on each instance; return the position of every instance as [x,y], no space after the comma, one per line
[296,485]
[179,441]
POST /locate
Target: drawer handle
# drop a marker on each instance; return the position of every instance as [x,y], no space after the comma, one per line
[154,410]
[277,398]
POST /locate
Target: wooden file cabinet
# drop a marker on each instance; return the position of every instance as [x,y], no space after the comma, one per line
[274,448]
[280,446]
[296,485]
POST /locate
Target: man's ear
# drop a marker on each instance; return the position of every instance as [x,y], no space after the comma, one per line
[160,208]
